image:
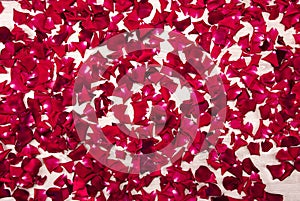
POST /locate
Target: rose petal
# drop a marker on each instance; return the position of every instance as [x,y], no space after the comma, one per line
[203,174]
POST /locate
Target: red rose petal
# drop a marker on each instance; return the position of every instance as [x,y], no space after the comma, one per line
[290,141]
[266,146]
[78,153]
[1,7]
[40,194]
[253,148]
[274,197]
[231,183]
[272,59]
[21,18]
[297,165]
[144,9]
[248,166]
[5,34]
[32,166]
[20,194]
[51,163]
[257,190]
[220,36]
[281,171]
[203,174]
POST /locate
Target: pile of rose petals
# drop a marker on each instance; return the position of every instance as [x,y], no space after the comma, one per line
[41,155]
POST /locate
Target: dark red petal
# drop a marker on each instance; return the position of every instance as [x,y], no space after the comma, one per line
[297,165]
[78,153]
[220,36]
[231,183]
[183,24]
[274,197]
[68,166]
[20,18]
[283,155]
[253,148]
[280,171]
[144,9]
[203,174]
[32,166]
[289,141]
[248,166]
[21,194]
[266,146]
[220,198]
[51,163]
[40,194]
[213,190]
[215,16]
[57,193]
[5,34]
[274,11]
[257,190]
